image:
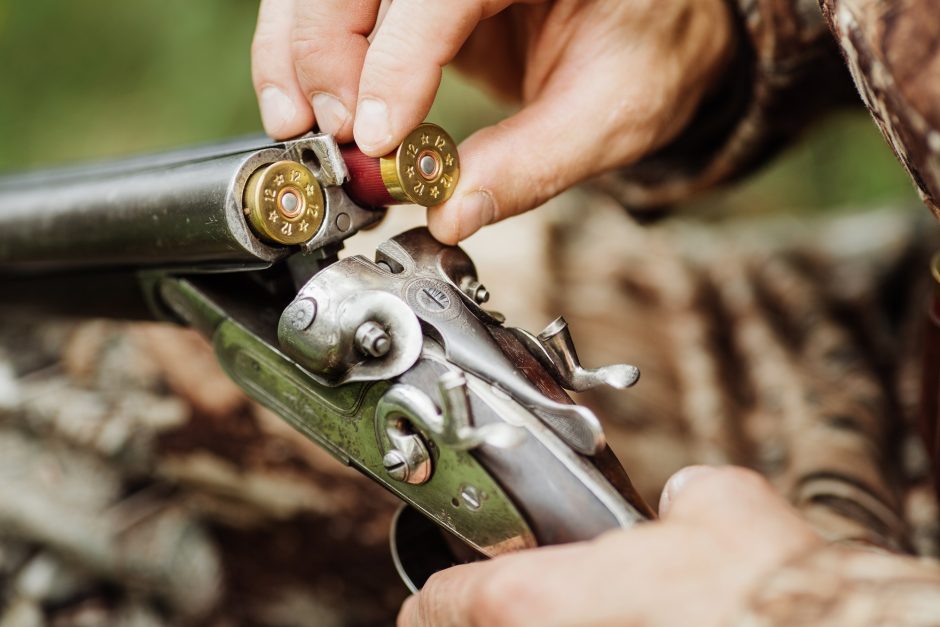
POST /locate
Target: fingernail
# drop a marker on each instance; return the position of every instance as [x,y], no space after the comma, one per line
[677,483]
[477,209]
[372,128]
[332,114]
[277,111]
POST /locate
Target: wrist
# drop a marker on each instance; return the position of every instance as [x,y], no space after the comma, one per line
[837,585]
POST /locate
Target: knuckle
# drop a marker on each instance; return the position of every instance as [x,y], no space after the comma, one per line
[436,601]
[386,64]
[260,46]
[262,50]
[432,597]
[305,49]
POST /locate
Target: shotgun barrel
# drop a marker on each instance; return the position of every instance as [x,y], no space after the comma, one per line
[181,208]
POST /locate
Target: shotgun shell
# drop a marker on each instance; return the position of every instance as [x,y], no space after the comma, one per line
[423,170]
[284,203]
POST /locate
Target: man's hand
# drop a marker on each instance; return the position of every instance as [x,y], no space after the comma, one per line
[722,531]
[603,83]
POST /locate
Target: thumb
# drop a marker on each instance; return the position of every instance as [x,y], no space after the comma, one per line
[504,171]
[677,484]
[740,516]
[704,494]
[518,164]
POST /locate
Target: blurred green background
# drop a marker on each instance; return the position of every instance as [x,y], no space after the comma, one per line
[98,78]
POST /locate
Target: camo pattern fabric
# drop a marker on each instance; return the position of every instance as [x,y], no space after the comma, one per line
[842,586]
[893,52]
[789,70]
[789,347]
[140,488]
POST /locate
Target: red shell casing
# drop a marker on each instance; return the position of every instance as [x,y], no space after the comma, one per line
[365,185]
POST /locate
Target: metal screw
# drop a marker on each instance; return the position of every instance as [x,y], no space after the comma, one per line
[372,339]
[475,290]
[471,497]
[300,314]
[396,465]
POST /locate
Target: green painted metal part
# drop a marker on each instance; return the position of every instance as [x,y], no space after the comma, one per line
[342,420]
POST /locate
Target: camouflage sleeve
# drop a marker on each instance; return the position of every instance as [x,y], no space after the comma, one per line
[842,586]
[786,70]
[893,52]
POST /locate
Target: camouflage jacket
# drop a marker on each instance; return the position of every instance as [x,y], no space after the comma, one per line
[782,352]
[789,69]
[797,59]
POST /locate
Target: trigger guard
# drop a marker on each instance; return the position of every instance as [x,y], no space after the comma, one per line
[420,548]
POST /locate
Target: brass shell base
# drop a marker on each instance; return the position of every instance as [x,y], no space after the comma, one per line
[284,203]
[424,170]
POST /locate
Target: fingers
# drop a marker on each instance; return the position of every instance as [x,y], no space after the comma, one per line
[310,59]
[285,111]
[402,69]
[306,63]
[531,587]
[444,600]
[725,528]
[734,501]
[329,45]
[586,118]
[504,170]
[544,149]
